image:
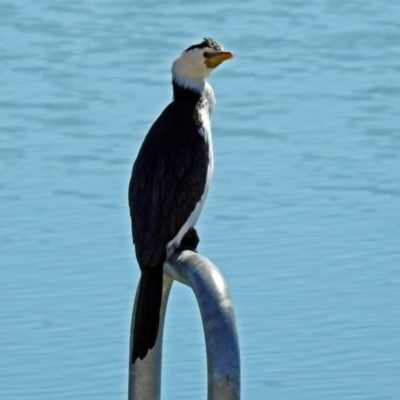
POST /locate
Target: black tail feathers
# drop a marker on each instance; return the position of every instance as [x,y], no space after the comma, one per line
[147,316]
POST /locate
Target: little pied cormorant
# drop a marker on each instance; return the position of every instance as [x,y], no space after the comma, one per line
[170,181]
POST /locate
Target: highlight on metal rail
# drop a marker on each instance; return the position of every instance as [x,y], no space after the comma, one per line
[218,318]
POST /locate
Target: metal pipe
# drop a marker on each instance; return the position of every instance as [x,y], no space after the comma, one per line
[145,375]
[222,345]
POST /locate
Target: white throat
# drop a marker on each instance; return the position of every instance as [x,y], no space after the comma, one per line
[189,83]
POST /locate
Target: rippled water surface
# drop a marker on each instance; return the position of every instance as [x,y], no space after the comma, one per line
[303,217]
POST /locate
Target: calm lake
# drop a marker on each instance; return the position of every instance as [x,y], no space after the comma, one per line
[303,217]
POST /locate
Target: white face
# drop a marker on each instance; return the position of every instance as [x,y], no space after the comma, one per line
[192,64]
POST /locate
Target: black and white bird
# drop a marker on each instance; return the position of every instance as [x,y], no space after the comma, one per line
[170,181]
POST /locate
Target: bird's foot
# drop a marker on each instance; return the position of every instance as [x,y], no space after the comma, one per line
[190,241]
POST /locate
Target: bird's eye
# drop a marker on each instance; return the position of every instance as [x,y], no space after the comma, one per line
[206,54]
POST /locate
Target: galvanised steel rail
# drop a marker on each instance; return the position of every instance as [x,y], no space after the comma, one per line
[218,317]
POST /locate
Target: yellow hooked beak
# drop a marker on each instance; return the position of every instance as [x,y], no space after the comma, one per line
[216,59]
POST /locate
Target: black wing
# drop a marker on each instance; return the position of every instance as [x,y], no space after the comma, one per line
[168,179]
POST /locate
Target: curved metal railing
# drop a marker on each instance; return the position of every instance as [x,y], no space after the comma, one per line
[218,317]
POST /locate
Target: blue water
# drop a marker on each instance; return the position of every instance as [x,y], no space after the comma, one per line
[303,217]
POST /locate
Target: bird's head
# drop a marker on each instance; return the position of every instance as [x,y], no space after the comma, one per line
[198,61]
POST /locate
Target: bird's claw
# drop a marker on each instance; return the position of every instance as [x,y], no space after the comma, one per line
[190,241]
